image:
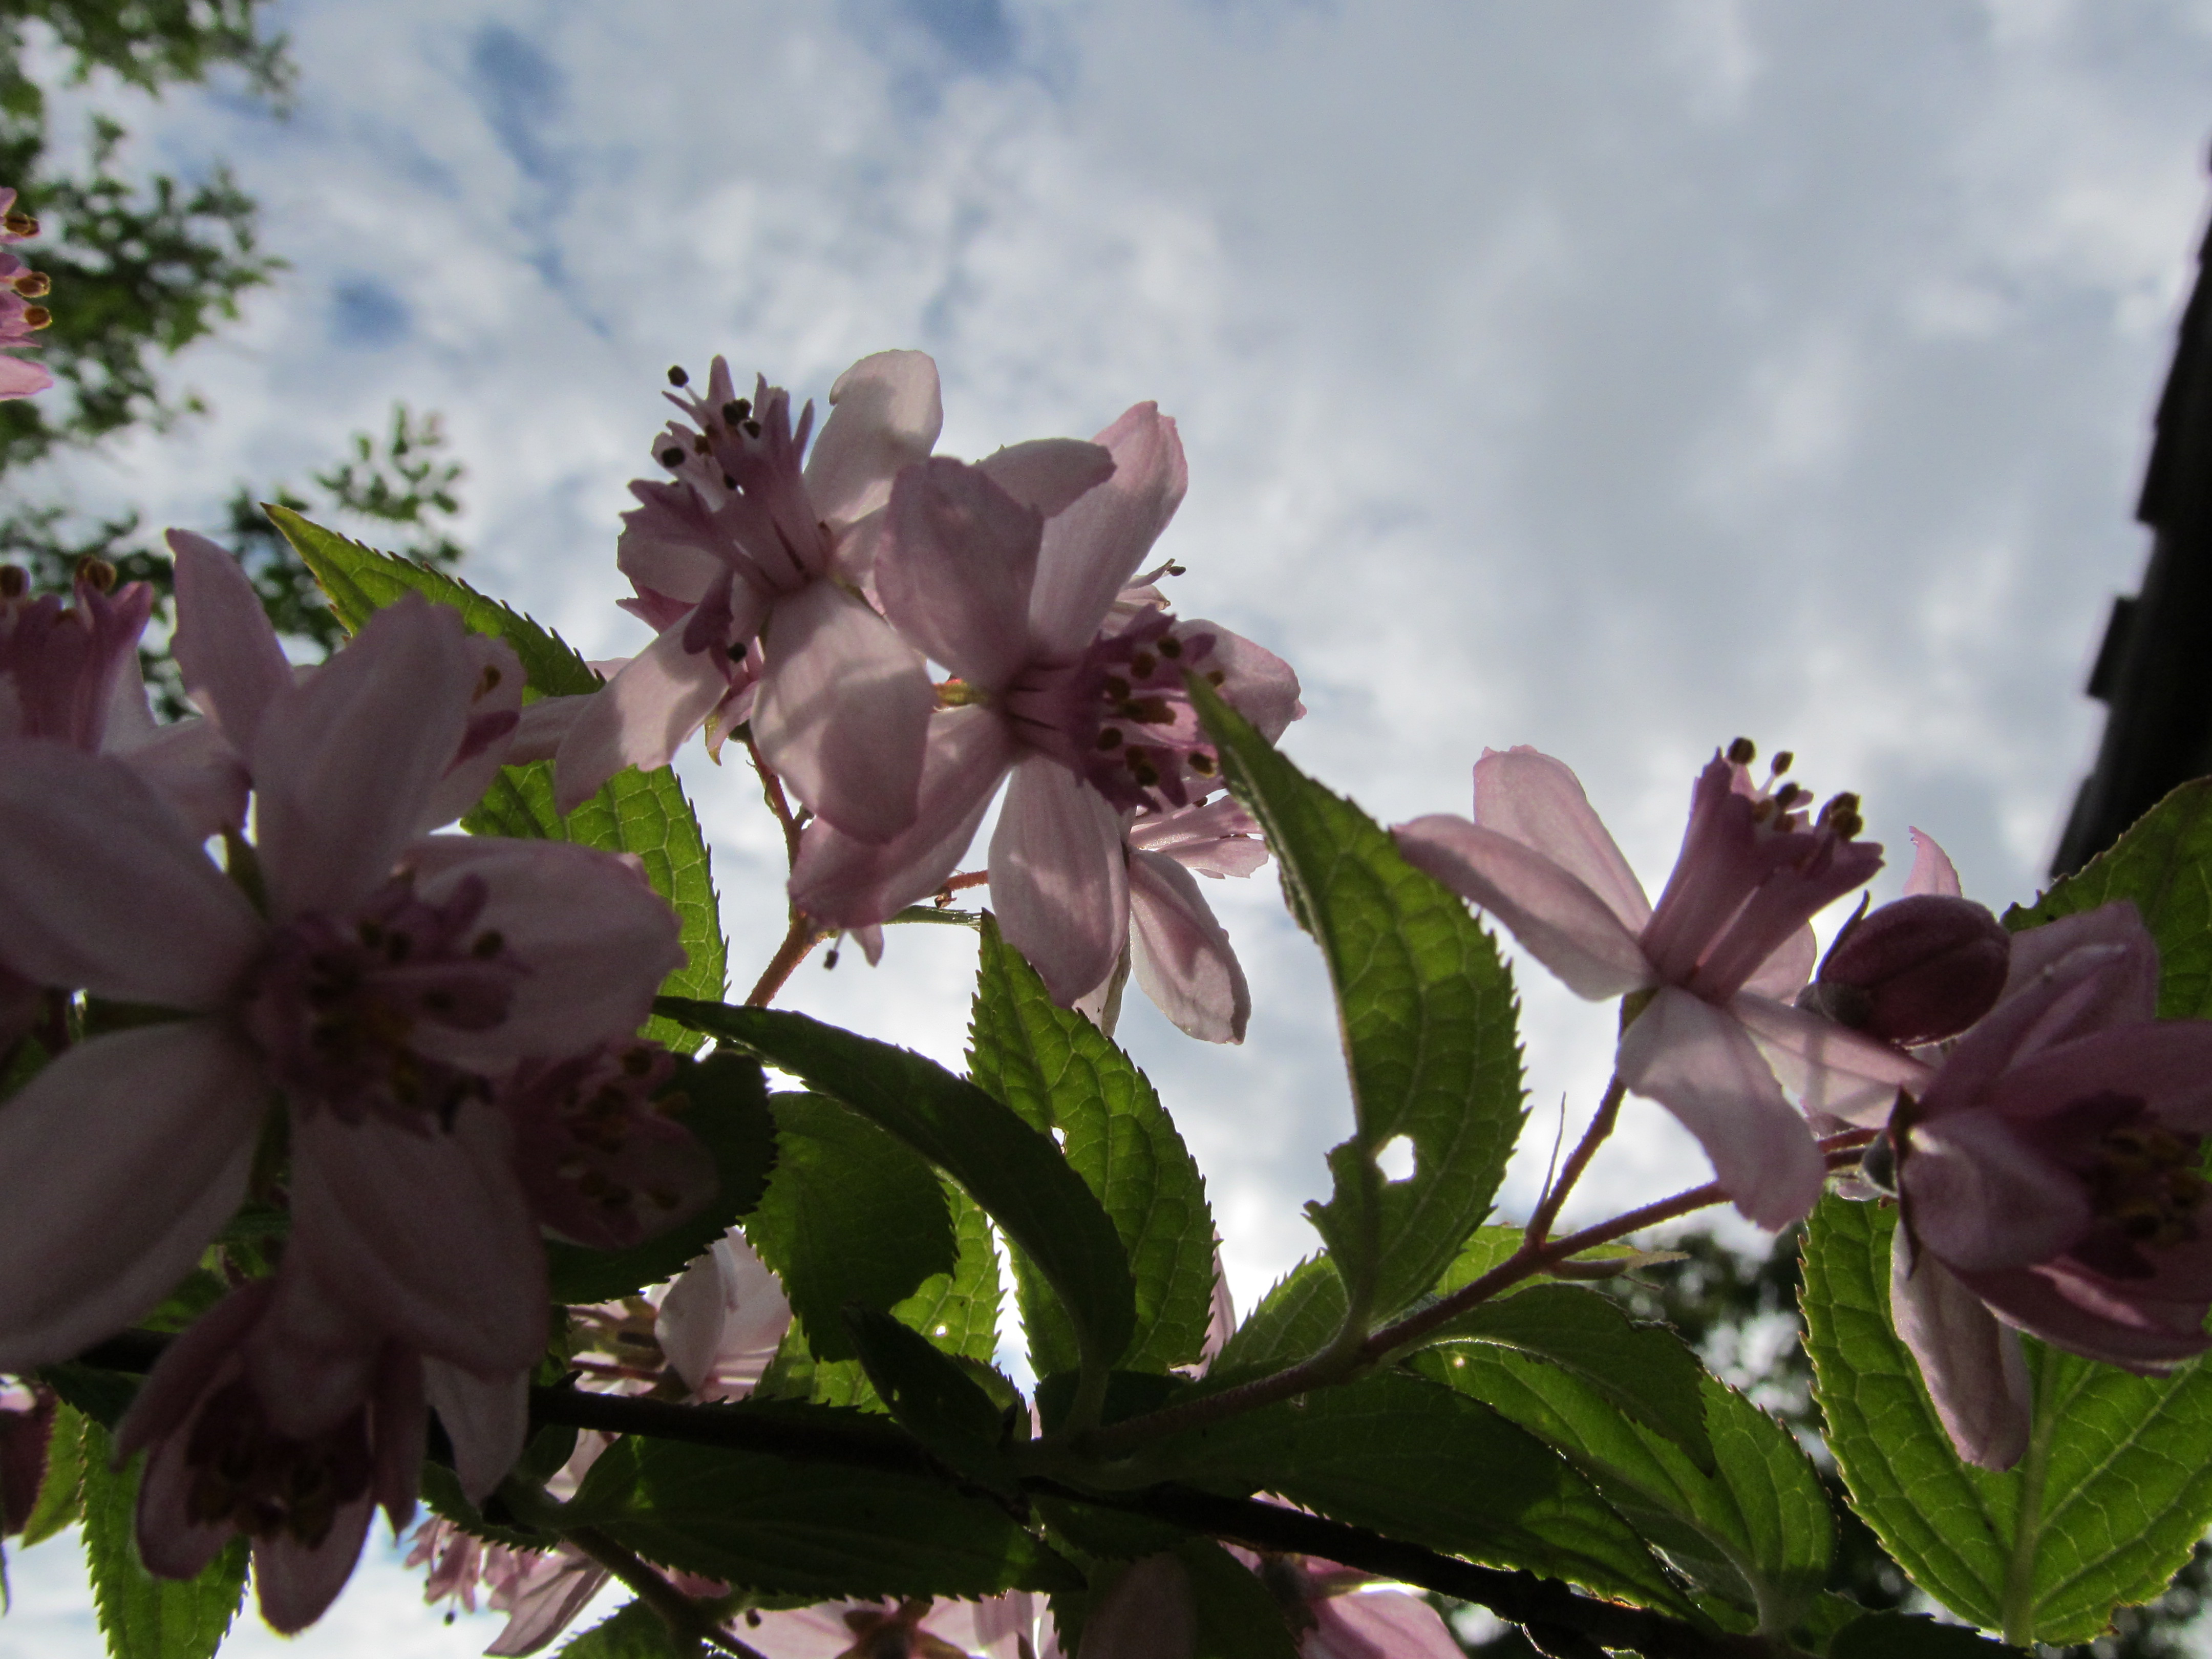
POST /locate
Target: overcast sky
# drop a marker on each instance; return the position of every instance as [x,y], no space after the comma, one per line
[1615,377]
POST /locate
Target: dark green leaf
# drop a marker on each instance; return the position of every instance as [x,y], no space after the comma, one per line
[727,1110]
[2112,1495]
[1645,1371]
[61,1489]
[1015,1173]
[1060,1071]
[1294,1320]
[1430,1465]
[142,1616]
[850,1216]
[632,1631]
[1429,1022]
[2165,865]
[1757,1532]
[1902,1636]
[929,1392]
[101,1395]
[785,1527]
[1238,1618]
[644,813]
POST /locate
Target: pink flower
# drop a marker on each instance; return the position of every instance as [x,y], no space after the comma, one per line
[389,976]
[743,542]
[1006,572]
[2048,1175]
[1000,1628]
[250,1431]
[19,320]
[1717,961]
[723,1319]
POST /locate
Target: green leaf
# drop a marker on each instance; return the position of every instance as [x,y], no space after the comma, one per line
[142,1616]
[61,1489]
[1903,1636]
[929,1392]
[101,1395]
[790,1527]
[1238,1618]
[1296,1318]
[2105,1508]
[1645,1371]
[727,1110]
[641,812]
[850,1216]
[1756,1532]
[634,1631]
[1433,1466]
[1428,1014]
[2165,865]
[1015,1173]
[1061,1072]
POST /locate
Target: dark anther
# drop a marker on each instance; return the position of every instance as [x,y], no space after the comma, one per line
[728,482]
[1743,752]
[1170,648]
[734,411]
[752,429]
[21,224]
[677,377]
[672,458]
[1108,737]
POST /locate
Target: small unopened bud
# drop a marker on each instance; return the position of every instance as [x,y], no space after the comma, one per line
[1923,969]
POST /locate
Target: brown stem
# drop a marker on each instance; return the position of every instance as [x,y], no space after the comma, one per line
[686,1619]
[801,939]
[960,883]
[1601,1125]
[778,803]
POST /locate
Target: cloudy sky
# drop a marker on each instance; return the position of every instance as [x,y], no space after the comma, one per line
[1614,378]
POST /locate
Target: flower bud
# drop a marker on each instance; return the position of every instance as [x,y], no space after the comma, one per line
[1921,969]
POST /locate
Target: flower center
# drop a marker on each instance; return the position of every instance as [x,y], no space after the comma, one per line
[336,1003]
[1120,718]
[264,1484]
[742,461]
[2144,1187]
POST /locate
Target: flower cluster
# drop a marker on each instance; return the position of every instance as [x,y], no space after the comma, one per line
[20,318]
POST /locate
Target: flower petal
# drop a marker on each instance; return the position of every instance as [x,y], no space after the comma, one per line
[1058,877]
[1932,872]
[188,1367]
[844,882]
[104,888]
[486,1417]
[639,718]
[1975,1373]
[428,1232]
[192,767]
[1256,683]
[2113,941]
[842,711]
[2046,1304]
[1048,475]
[1180,954]
[1700,1064]
[174,1543]
[1530,798]
[958,559]
[552,1593]
[1785,974]
[1563,923]
[885,412]
[1984,1198]
[1092,550]
[224,646]
[1148,1613]
[1368,1624]
[296,1583]
[117,1163]
[495,715]
[1829,1070]
[344,762]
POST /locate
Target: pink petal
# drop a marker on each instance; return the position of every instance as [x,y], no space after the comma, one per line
[188,1367]
[1180,955]
[192,767]
[688,1325]
[545,725]
[171,1543]
[1561,922]
[2167,1065]
[296,1583]
[2048,1305]
[104,888]
[555,1591]
[1219,838]
[129,720]
[117,1163]
[597,939]
[344,762]
[1782,974]
[399,1425]
[1985,1199]
[842,711]
[21,378]
[844,882]
[1973,1369]
[1828,1069]
[958,559]
[494,714]
[1058,877]
[1700,1065]
[2113,943]
[885,412]
[224,645]
[1092,550]
[486,1418]
[664,567]
[427,1233]
[1932,872]
[1377,1625]
[1048,475]
[1528,796]
[1257,684]
[640,717]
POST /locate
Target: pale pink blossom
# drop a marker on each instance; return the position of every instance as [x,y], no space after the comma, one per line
[2048,1174]
[1340,1612]
[743,542]
[1006,572]
[249,1430]
[723,1319]
[389,975]
[1716,963]
[919,1628]
[19,319]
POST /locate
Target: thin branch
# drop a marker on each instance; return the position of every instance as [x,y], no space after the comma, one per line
[960,883]
[803,936]
[686,1619]
[1601,1125]
[778,803]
